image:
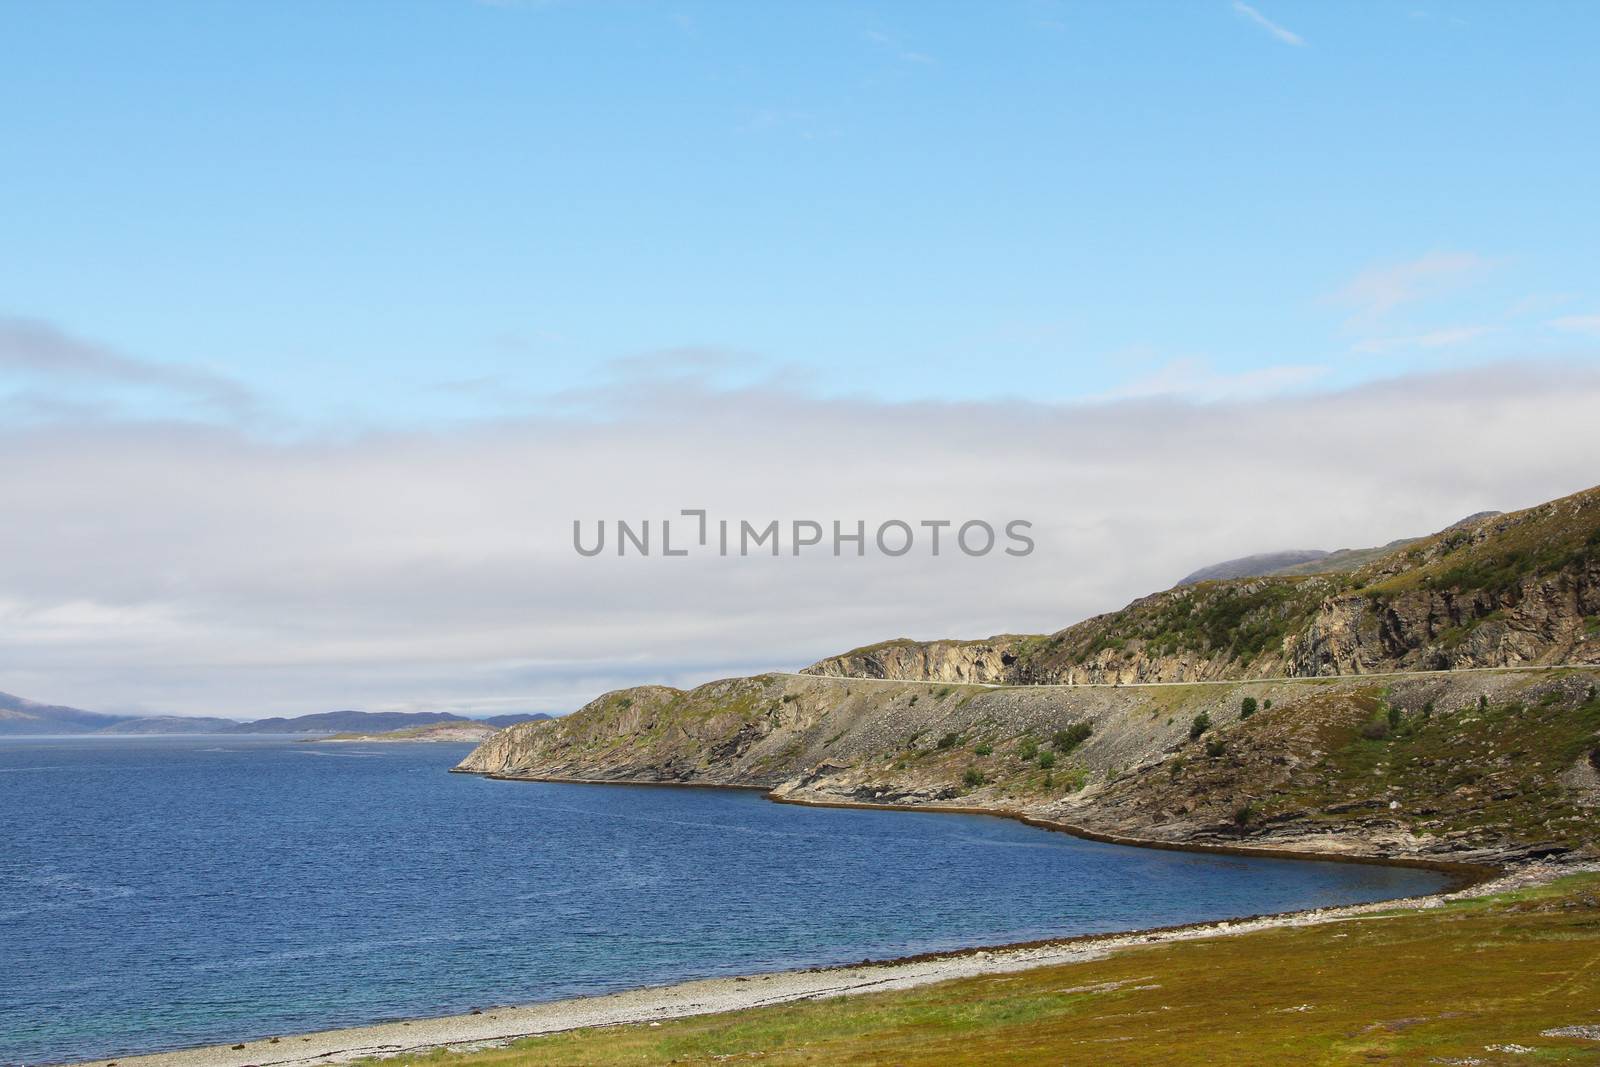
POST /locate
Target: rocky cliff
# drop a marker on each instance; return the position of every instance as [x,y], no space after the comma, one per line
[1471,764]
[1481,766]
[1498,590]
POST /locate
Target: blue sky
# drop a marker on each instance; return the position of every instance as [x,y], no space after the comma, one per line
[320,323]
[396,213]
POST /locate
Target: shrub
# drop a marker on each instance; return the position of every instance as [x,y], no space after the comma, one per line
[625,703]
[1070,738]
[973,778]
[1394,718]
[1376,730]
[949,740]
[1047,760]
[1483,701]
[1266,705]
[1427,710]
[1594,757]
[790,698]
[1027,748]
[1202,723]
[913,699]
[1247,707]
[1215,747]
[984,749]
[1244,814]
[943,691]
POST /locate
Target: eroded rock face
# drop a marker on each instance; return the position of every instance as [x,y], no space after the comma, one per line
[1542,619]
[990,661]
[909,722]
[1140,772]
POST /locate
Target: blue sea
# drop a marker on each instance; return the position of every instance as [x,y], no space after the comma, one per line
[164,892]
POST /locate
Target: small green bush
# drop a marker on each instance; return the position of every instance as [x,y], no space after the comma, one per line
[1266,705]
[790,698]
[1047,760]
[1027,749]
[1202,723]
[949,740]
[1394,718]
[1376,730]
[1244,814]
[973,778]
[984,749]
[1247,707]
[943,691]
[1215,747]
[1066,740]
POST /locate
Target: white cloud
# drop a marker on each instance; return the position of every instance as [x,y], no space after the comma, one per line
[900,52]
[1448,337]
[1287,36]
[1589,324]
[1377,291]
[204,570]
[1194,379]
[39,352]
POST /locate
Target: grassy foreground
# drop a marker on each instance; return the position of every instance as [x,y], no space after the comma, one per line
[1475,982]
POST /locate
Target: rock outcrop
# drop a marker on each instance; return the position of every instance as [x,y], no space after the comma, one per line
[1267,726]
[1493,591]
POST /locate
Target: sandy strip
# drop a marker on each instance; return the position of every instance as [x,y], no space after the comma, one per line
[499,1025]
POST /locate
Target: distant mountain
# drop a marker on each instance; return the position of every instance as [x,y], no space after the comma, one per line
[1310,560]
[473,730]
[329,722]
[19,716]
[1251,566]
[512,720]
[171,724]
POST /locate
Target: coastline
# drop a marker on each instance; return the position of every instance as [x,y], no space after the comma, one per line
[1463,875]
[494,1026]
[498,1025]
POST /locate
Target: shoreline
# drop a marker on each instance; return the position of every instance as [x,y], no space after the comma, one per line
[494,1026]
[1464,875]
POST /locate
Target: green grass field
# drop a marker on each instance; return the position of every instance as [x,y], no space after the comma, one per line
[1476,982]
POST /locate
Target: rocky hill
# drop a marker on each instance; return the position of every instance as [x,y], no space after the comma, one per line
[1175,727]
[1480,766]
[1496,590]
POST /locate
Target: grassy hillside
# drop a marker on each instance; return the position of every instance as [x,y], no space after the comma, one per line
[1512,979]
[1482,766]
[1497,591]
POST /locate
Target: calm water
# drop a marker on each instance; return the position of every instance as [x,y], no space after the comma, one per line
[156,893]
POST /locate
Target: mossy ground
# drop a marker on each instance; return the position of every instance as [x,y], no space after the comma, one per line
[1472,982]
[1491,772]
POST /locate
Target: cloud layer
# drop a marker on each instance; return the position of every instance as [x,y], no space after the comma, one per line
[196,569]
